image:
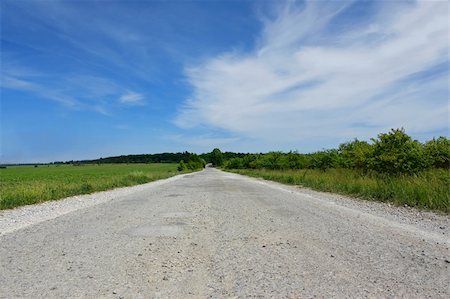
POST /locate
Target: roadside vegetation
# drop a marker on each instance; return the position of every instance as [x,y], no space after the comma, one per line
[391,168]
[194,162]
[24,185]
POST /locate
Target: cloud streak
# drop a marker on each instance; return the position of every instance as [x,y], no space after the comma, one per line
[76,92]
[132,98]
[40,90]
[303,80]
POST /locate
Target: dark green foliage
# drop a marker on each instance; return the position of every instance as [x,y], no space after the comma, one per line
[325,159]
[396,153]
[225,156]
[194,162]
[182,166]
[355,154]
[296,161]
[244,162]
[235,163]
[144,158]
[437,152]
[216,157]
[272,160]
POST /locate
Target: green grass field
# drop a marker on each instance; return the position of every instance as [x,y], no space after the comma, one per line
[24,185]
[429,190]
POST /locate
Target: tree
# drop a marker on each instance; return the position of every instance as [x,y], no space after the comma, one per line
[216,157]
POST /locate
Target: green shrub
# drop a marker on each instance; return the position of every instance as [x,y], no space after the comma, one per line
[355,154]
[194,163]
[297,161]
[397,153]
[235,163]
[216,157]
[182,166]
[273,160]
[437,152]
[325,159]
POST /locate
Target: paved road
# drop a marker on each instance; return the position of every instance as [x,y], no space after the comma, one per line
[220,235]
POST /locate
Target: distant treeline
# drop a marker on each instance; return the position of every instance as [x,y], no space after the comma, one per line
[154,158]
[142,158]
[186,157]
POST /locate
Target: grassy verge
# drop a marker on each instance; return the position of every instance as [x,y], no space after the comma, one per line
[24,185]
[429,190]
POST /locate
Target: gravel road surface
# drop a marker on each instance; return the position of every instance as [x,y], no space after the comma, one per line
[213,234]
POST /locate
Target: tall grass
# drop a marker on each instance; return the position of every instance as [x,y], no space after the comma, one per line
[24,185]
[428,190]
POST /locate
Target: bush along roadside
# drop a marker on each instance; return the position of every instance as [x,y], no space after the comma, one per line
[194,162]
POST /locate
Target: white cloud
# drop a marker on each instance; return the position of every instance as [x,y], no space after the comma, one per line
[303,82]
[132,98]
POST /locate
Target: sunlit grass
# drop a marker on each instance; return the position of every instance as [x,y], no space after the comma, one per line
[24,185]
[428,190]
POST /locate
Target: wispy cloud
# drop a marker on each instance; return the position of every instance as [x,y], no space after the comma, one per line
[307,80]
[79,92]
[132,98]
[40,90]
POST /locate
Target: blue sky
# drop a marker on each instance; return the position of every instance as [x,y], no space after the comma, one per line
[89,79]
